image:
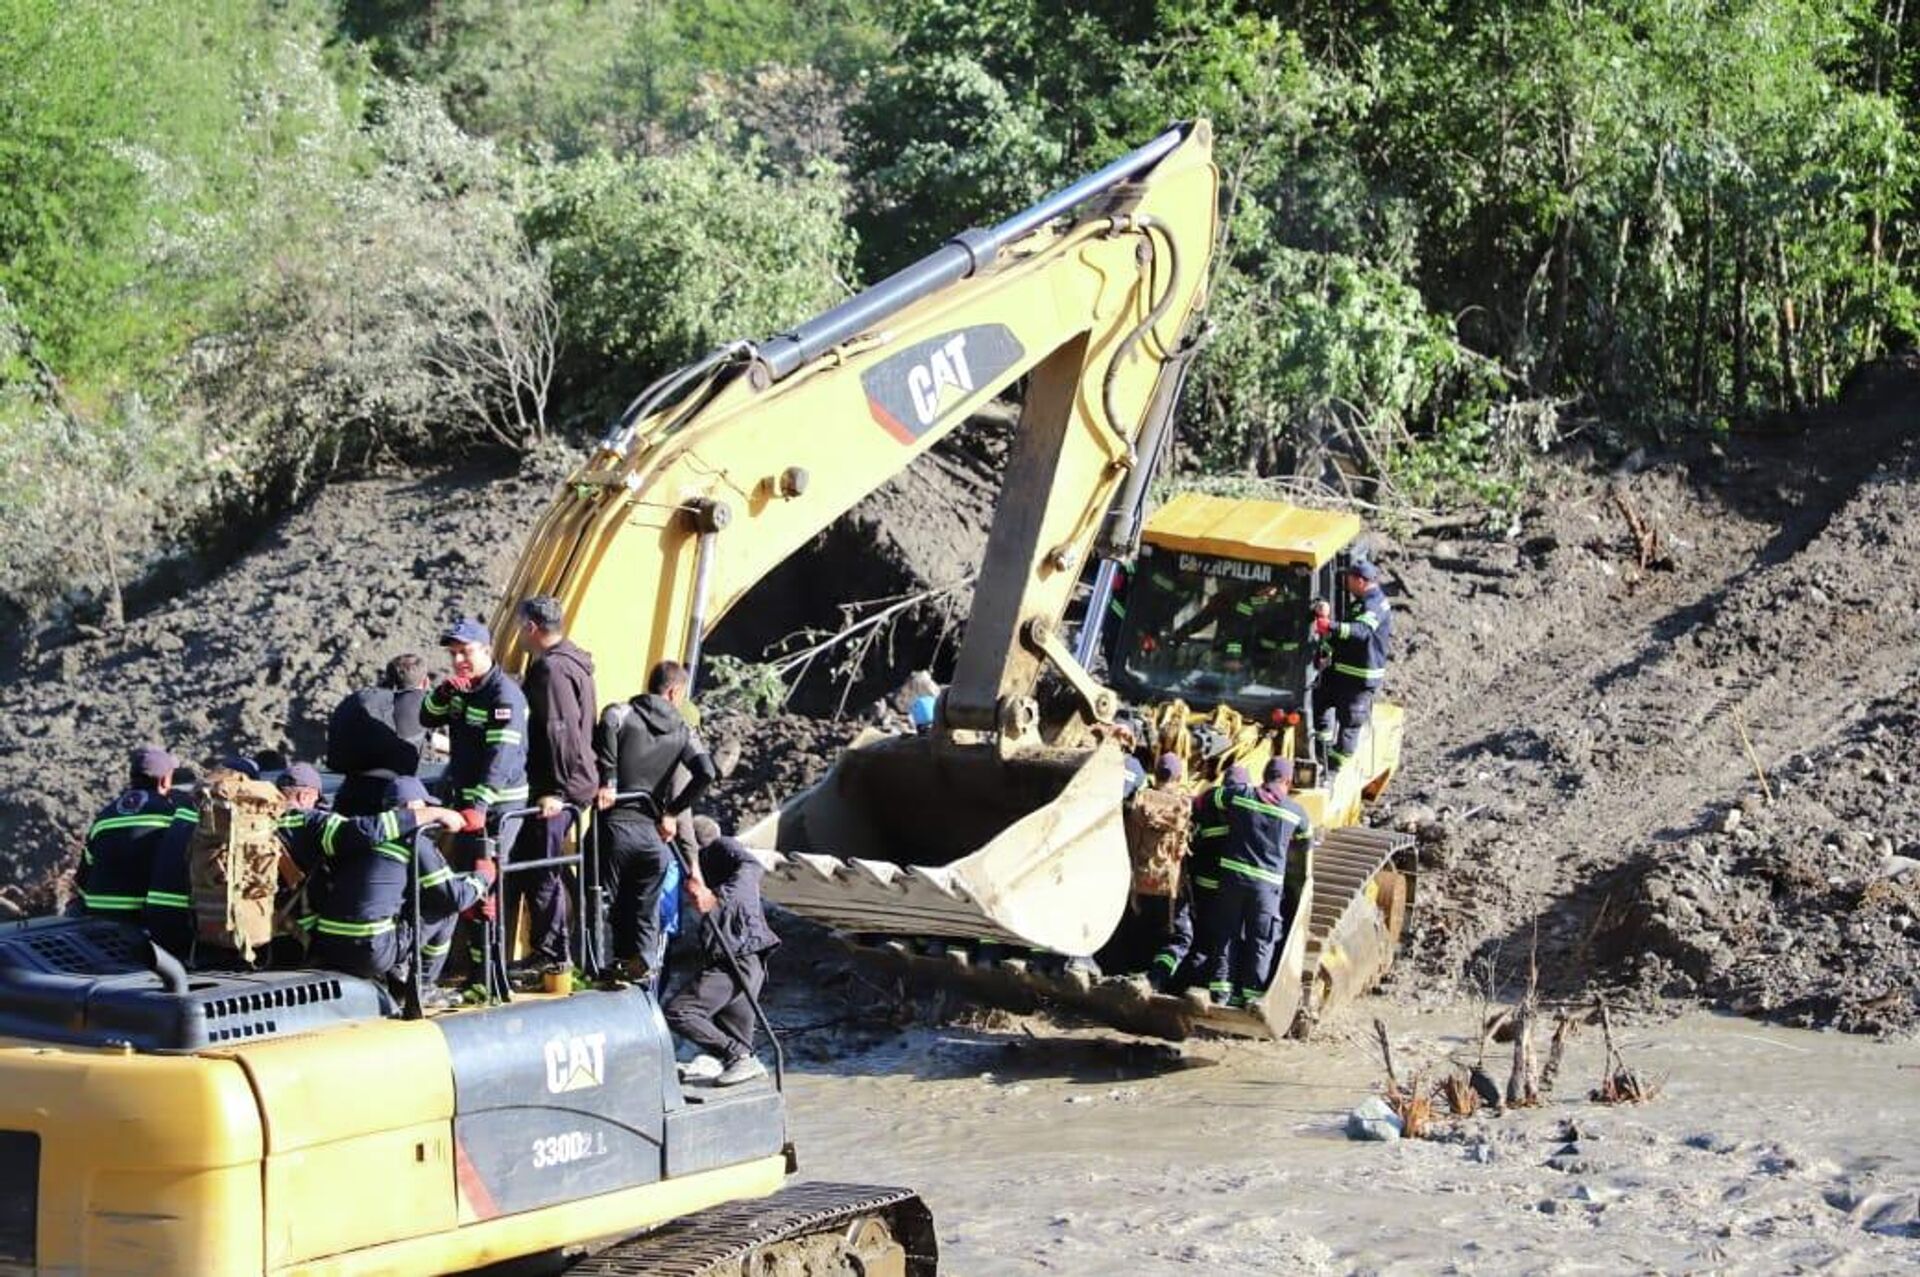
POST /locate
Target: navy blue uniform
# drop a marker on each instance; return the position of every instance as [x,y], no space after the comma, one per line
[714,1010]
[1248,911]
[169,906]
[1358,668]
[370,863]
[116,867]
[486,741]
[373,736]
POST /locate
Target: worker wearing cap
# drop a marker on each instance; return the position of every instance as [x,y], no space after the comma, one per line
[485,714]
[1357,664]
[375,734]
[300,828]
[116,865]
[1247,915]
[363,928]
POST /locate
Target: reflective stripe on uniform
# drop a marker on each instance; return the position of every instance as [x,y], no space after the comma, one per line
[352,930]
[113,903]
[393,851]
[168,900]
[437,950]
[503,736]
[1211,884]
[1359,671]
[1254,872]
[437,877]
[154,820]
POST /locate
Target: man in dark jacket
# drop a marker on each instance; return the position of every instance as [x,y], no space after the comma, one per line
[637,746]
[376,734]
[1358,668]
[714,1009]
[362,928]
[116,866]
[561,705]
[1247,912]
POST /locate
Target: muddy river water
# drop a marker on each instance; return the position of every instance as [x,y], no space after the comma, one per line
[1767,1150]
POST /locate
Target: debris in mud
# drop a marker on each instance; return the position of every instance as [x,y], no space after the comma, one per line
[1620,1084]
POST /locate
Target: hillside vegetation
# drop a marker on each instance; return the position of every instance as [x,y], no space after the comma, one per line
[249,247]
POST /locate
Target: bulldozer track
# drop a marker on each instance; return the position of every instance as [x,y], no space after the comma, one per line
[718,1242]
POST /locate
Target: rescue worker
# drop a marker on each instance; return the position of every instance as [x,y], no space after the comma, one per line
[638,745]
[376,733]
[486,718]
[1247,912]
[1186,950]
[561,705]
[303,875]
[116,865]
[1357,663]
[363,928]
[714,1009]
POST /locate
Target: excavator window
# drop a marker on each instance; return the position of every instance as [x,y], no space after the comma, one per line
[1212,631]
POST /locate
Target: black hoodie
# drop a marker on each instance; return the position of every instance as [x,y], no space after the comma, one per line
[638,745]
[560,710]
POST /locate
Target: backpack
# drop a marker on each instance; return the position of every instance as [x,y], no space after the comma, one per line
[233,861]
[1156,823]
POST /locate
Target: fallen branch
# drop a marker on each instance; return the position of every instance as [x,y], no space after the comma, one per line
[1620,1084]
[1740,726]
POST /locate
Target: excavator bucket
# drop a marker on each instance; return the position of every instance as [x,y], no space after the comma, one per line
[961,871]
[906,838]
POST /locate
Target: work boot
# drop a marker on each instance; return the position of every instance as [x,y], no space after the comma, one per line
[745,1069]
[702,1068]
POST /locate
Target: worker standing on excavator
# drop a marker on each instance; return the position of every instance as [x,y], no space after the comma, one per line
[1248,915]
[486,718]
[639,746]
[1358,662]
[117,864]
[561,706]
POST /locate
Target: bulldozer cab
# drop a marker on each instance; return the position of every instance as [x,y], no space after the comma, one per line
[1216,608]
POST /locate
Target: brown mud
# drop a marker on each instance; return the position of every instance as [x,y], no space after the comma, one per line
[1660,727]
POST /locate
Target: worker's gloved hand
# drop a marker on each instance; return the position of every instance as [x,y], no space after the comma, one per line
[485,875]
[1322,626]
[472,820]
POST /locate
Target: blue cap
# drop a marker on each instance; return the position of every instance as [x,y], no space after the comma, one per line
[1364,570]
[466,630]
[150,762]
[402,790]
[1278,769]
[300,776]
[920,713]
[1237,774]
[243,764]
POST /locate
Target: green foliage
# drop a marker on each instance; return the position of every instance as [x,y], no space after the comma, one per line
[586,75]
[751,687]
[657,260]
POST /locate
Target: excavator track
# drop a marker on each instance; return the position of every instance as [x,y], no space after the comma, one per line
[806,1230]
[1337,947]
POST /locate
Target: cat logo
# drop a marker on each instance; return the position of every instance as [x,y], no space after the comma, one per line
[576,1063]
[909,392]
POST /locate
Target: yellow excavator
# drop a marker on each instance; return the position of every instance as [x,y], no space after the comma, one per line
[157,1119]
[998,835]
[161,1119]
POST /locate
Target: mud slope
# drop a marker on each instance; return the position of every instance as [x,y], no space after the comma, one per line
[1590,736]
[256,656]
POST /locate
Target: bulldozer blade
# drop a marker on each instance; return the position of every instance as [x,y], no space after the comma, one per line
[908,837]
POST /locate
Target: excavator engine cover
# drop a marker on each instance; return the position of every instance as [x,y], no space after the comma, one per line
[906,837]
